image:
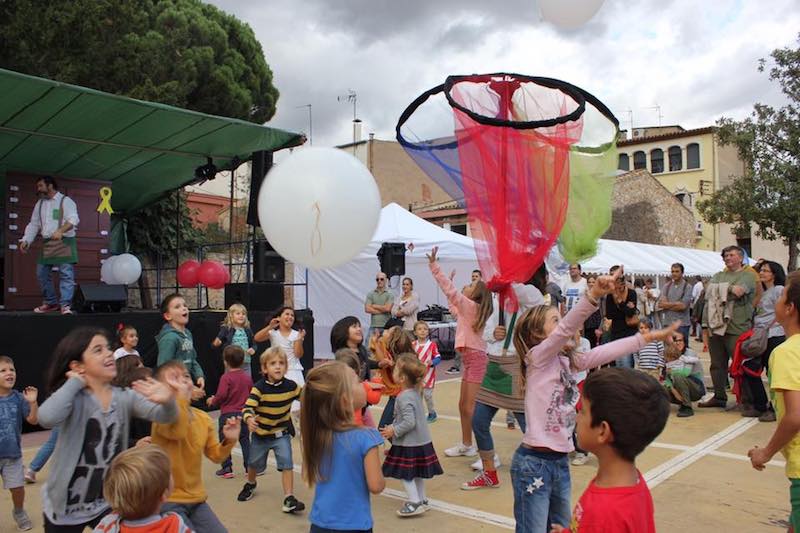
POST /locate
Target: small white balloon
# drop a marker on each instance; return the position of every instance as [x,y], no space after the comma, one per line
[319,207]
[107,270]
[126,269]
[569,14]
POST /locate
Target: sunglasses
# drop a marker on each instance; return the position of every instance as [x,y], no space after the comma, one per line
[380,279]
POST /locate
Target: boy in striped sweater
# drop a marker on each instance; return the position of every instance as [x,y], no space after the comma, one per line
[267,413]
[650,358]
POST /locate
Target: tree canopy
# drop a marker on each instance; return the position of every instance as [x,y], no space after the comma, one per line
[768,141]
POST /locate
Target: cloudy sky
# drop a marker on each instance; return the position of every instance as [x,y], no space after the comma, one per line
[696,60]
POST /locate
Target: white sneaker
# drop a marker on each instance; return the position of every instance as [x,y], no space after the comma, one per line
[478,465]
[580,459]
[461,449]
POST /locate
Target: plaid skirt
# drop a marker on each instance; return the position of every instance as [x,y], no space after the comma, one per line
[409,462]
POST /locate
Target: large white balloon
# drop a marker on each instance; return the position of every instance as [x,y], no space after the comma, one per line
[107,270]
[319,207]
[569,14]
[126,269]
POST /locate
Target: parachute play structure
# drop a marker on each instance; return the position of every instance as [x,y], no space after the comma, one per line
[533,159]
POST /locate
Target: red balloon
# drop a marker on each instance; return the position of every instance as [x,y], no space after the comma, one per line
[187,273]
[227,275]
[212,274]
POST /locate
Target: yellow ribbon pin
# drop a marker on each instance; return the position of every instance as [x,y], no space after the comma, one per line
[105,204]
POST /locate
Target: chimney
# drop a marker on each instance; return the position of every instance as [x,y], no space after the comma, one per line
[356,130]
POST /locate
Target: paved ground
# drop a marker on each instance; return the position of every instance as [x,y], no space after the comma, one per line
[697,470]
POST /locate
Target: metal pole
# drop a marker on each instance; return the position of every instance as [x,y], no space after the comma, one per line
[230,230]
[177,235]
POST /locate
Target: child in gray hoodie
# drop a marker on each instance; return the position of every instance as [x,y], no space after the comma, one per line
[175,340]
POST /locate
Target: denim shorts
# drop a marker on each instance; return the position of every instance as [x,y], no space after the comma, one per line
[12,472]
[541,485]
[260,447]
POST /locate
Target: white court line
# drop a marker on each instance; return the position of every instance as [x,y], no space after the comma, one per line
[448,380]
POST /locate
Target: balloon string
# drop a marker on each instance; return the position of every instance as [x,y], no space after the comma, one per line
[316,235]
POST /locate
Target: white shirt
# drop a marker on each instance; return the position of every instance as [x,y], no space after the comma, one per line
[287,344]
[50,224]
[119,353]
[696,290]
[573,291]
[528,296]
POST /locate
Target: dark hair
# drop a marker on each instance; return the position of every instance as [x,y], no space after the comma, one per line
[638,282]
[126,366]
[579,266]
[678,265]
[613,269]
[648,280]
[411,281]
[278,312]
[539,278]
[792,289]
[698,278]
[632,403]
[646,322]
[122,331]
[48,180]
[233,355]
[777,271]
[164,307]
[340,332]
[69,349]
[478,272]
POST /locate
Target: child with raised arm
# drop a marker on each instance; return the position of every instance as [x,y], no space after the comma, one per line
[622,412]
[186,440]
[540,468]
[15,407]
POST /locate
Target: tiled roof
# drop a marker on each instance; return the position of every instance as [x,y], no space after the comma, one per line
[666,136]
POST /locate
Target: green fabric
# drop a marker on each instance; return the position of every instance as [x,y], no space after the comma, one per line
[496,380]
[742,315]
[794,498]
[70,259]
[510,331]
[118,236]
[144,149]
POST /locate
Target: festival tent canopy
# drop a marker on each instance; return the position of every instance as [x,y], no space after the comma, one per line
[143,148]
[652,259]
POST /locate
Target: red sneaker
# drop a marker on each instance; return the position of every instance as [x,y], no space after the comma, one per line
[46,308]
[486,479]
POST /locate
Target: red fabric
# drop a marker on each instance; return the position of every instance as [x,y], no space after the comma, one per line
[234,388]
[614,510]
[516,181]
[737,369]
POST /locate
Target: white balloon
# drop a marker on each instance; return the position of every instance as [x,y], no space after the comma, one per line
[126,269]
[569,14]
[107,270]
[319,207]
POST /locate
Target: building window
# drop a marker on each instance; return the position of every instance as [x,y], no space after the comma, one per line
[685,198]
[639,160]
[461,229]
[624,162]
[675,158]
[657,161]
[693,155]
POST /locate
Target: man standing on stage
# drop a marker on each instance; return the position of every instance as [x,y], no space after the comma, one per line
[55,216]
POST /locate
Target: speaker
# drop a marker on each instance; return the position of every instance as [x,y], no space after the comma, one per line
[100,298]
[304,319]
[392,256]
[268,265]
[254,296]
[261,162]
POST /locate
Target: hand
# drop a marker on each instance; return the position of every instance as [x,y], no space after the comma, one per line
[153,390]
[630,305]
[662,334]
[453,275]
[558,528]
[598,333]
[144,441]
[302,335]
[252,425]
[210,401]
[75,373]
[201,382]
[216,343]
[274,323]
[57,235]
[383,363]
[387,432]
[197,393]
[31,394]
[432,256]
[232,428]
[738,291]
[23,246]
[499,333]
[759,457]
[605,284]
[251,351]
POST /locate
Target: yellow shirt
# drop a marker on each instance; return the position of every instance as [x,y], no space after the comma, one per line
[192,435]
[784,374]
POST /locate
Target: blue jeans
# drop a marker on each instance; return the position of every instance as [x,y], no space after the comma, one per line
[541,486]
[45,451]
[244,440]
[684,330]
[66,274]
[260,447]
[482,425]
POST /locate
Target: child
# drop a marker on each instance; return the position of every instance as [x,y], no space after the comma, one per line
[340,458]
[540,468]
[236,331]
[650,358]
[14,407]
[232,393]
[175,340]
[411,457]
[91,433]
[428,354]
[582,345]
[473,310]
[785,386]
[267,415]
[137,483]
[684,375]
[185,441]
[129,370]
[394,341]
[371,390]
[622,412]
[128,341]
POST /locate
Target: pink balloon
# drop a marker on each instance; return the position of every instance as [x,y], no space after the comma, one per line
[212,274]
[187,273]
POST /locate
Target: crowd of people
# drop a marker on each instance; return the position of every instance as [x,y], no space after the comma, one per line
[590,367]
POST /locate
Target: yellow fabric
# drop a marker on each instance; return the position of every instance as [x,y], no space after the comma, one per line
[192,435]
[784,374]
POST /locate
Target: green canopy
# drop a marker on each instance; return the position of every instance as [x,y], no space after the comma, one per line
[144,149]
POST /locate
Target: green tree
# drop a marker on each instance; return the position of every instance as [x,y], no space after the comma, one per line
[768,141]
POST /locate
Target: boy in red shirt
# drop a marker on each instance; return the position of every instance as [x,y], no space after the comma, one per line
[622,412]
[232,392]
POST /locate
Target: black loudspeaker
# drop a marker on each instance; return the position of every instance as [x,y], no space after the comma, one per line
[254,296]
[392,256]
[304,319]
[260,164]
[100,298]
[268,265]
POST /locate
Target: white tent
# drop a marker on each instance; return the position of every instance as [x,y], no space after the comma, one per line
[338,292]
[652,259]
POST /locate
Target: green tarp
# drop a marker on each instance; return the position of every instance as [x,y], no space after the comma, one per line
[144,149]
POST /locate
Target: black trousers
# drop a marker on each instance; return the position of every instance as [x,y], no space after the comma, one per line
[753,383]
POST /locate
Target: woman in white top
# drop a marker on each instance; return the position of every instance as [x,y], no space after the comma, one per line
[405,308]
[280,333]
